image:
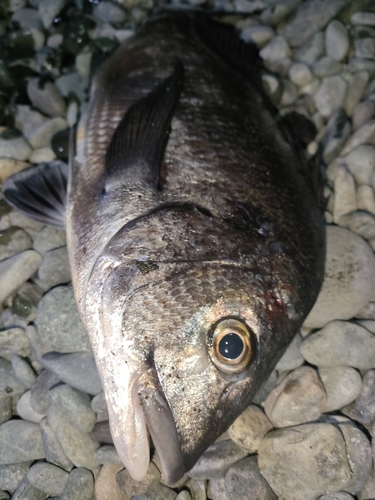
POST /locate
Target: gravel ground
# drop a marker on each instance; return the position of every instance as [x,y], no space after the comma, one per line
[308,433]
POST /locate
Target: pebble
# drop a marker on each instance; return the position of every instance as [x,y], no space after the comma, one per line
[11,475]
[17,148]
[363,135]
[20,441]
[289,94]
[131,487]
[21,220]
[368,491]
[358,64]
[348,280]
[340,343]
[79,486]
[337,40]
[249,428]
[99,405]
[9,166]
[25,411]
[23,371]
[275,50]
[107,454]
[76,406]
[48,239]
[42,155]
[338,495]
[79,446]
[217,460]
[106,486]
[359,222]
[366,18]
[299,398]
[363,408]
[55,269]
[13,341]
[52,447]
[260,35]
[244,477]
[345,193]
[300,74]
[311,50]
[46,97]
[158,492]
[326,66]
[8,382]
[14,240]
[41,136]
[39,398]
[337,132]
[342,385]
[27,119]
[48,10]
[48,478]
[184,495]
[272,87]
[197,488]
[4,495]
[278,11]
[26,491]
[27,18]
[355,90]
[77,369]
[110,12]
[72,83]
[361,163]
[267,386]
[102,432]
[58,321]
[6,407]
[330,95]
[292,357]
[311,16]
[365,48]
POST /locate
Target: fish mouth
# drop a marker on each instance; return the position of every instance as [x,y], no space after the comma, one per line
[161,426]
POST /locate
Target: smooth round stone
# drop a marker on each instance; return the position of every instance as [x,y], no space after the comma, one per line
[366,18]
[9,166]
[304,461]
[99,405]
[102,432]
[23,371]
[292,357]
[337,40]
[105,484]
[345,193]
[342,385]
[6,407]
[46,97]
[78,445]
[272,87]
[48,478]
[311,50]
[17,148]
[249,428]
[358,64]
[26,491]
[13,341]
[348,280]
[16,270]
[59,323]
[76,406]
[52,447]
[184,495]
[245,476]
[366,199]
[279,11]
[363,409]
[362,113]
[72,83]
[25,411]
[8,382]
[340,343]
[11,475]
[158,492]
[299,398]
[339,495]
[110,12]
[365,48]
[14,240]
[355,90]
[41,136]
[20,441]
[258,34]
[336,134]
[48,10]
[79,486]
[21,220]
[42,155]
[77,369]
[300,74]
[363,135]
[27,119]
[55,269]
[216,461]
[49,238]
[275,50]
[368,491]
[359,222]
[107,454]
[330,95]
[131,487]
[361,163]
[326,66]
[39,398]
[216,489]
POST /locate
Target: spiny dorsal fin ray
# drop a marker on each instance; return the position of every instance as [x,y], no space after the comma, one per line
[40,192]
[141,136]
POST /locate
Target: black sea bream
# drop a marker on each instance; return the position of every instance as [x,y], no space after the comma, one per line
[195,236]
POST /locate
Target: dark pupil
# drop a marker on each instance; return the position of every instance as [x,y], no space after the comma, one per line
[231,346]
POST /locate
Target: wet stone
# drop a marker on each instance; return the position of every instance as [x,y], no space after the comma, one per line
[14,240]
[26,300]
[48,478]
[4,495]
[292,357]
[216,461]
[52,447]
[348,280]
[337,40]
[330,95]
[79,486]
[272,87]
[361,162]
[13,341]
[26,491]
[359,222]
[278,11]
[46,97]
[6,405]
[48,10]
[245,476]
[25,410]
[55,269]
[216,489]
[131,487]
[16,270]
[58,321]
[358,64]
[106,486]
[107,454]
[20,441]
[249,428]
[39,398]
[102,432]
[342,385]
[184,495]
[299,398]
[368,490]
[12,474]
[265,388]
[23,371]
[363,409]
[340,343]
[72,83]
[110,12]
[77,369]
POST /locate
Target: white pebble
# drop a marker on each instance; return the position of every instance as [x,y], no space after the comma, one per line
[363,135]
[337,40]
[345,195]
[330,95]
[277,49]
[300,74]
[366,199]
[366,18]
[16,270]
[9,167]
[258,34]
[42,155]
[355,90]
[361,163]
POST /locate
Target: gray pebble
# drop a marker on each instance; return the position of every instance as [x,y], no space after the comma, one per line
[27,18]
[110,12]
[337,40]
[355,90]
[216,489]
[311,50]
[342,385]
[363,135]
[99,405]
[102,432]
[79,486]
[340,343]
[48,10]
[6,406]
[25,410]
[258,34]
[299,398]
[8,382]
[272,87]
[17,148]
[39,398]
[107,454]
[366,18]
[105,484]
[54,270]
[48,478]
[368,324]
[289,94]
[358,64]
[275,50]
[4,495]
[158,492]
[339,495]
[311,16]
[23,371]
[49,238]
[41,136]
[336,134]
[278,11]
[300,74]
[131,487]
[326,66]
[20,441]
[265,388]
[365,48]
[26,491]
[78,445]
[16,270]
[72,83]
[28,119]
[368,491]
[292,357]
[53,450]
[330,95]
[77,369]
[245,476]
[76,406]
[363,409]
[59,324]
[46,97]
[11,475]
[216,461]
[249,428]
[360,222]
[367,312]
[13,341]
[361,163]
[197,488]
[14,240]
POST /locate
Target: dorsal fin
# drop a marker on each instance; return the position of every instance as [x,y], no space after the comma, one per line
[141,136]
[40,192]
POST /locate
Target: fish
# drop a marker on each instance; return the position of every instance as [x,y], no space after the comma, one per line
[195,235]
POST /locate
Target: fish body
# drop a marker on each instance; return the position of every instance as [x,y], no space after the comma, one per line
[195,238]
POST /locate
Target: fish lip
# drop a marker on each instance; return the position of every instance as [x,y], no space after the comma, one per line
[161,426]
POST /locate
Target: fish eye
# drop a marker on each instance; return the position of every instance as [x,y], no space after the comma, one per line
[231,349]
